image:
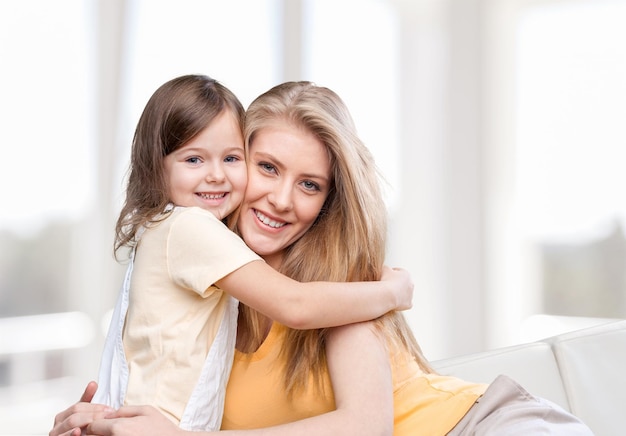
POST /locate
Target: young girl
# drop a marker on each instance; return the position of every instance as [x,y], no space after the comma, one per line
[172,336]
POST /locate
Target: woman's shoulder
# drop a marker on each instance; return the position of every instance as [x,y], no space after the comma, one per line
[361,332]
[356,328]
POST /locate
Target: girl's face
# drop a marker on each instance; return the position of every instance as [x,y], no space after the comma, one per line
[210,170]
[289,177]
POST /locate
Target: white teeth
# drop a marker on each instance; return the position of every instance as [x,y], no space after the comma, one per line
[268,222]
[212,196]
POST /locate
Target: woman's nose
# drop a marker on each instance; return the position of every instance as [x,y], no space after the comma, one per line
[281,197]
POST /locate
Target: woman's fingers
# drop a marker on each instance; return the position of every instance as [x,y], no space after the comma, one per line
[134,421]
[77,417]
[89,392]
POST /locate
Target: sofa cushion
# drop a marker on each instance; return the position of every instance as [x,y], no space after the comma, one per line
[531,365]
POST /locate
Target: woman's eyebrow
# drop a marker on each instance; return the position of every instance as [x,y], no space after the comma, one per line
[268,156]
[276,161]
[315,176]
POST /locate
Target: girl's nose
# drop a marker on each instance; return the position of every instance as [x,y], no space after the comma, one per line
[215,173]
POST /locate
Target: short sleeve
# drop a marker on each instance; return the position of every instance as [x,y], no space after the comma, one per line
[201,250]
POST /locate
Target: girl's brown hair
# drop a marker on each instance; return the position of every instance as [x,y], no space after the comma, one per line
[347,241]
[177,111]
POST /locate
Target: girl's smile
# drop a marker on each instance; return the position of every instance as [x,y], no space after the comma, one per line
[209,171]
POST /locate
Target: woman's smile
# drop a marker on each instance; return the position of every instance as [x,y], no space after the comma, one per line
[288,182]
[266,220]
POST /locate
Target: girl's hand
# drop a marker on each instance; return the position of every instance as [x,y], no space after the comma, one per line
[134,421]
[70,421]
[402,285]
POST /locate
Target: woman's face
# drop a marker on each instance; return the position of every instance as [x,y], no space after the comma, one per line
[289,177]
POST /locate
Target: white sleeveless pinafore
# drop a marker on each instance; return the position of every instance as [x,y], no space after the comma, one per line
[206,403]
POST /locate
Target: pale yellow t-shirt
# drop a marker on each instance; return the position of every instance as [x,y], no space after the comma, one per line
[424,404]
[174,310]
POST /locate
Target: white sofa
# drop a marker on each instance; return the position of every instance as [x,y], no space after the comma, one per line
[584,371]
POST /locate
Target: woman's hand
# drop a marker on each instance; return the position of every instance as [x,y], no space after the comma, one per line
[70,421]
[401,283]
[135,421]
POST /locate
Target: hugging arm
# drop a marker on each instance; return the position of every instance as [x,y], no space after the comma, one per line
[317,304]
[359,368]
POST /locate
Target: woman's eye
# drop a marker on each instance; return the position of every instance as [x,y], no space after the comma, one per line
[267,167]
[310,186]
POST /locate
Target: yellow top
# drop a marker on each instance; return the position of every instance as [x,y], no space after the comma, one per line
[428,404]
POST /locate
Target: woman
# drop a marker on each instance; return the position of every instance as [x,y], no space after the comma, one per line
[313,211]
[172,336]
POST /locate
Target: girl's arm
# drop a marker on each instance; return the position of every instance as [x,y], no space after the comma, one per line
[317,304]
[195,242]
[361,378]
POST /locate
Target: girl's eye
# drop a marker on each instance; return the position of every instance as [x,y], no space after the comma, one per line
[310,186]
[231,159]
[193,160]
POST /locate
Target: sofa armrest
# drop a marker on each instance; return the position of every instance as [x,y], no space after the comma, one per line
[592,363]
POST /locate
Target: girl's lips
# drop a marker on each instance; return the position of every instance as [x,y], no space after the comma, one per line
[275,224]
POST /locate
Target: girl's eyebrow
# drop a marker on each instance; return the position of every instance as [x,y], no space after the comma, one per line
[198,149]
[235,148]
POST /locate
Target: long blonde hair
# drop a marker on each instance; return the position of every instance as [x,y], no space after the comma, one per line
[346,242]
